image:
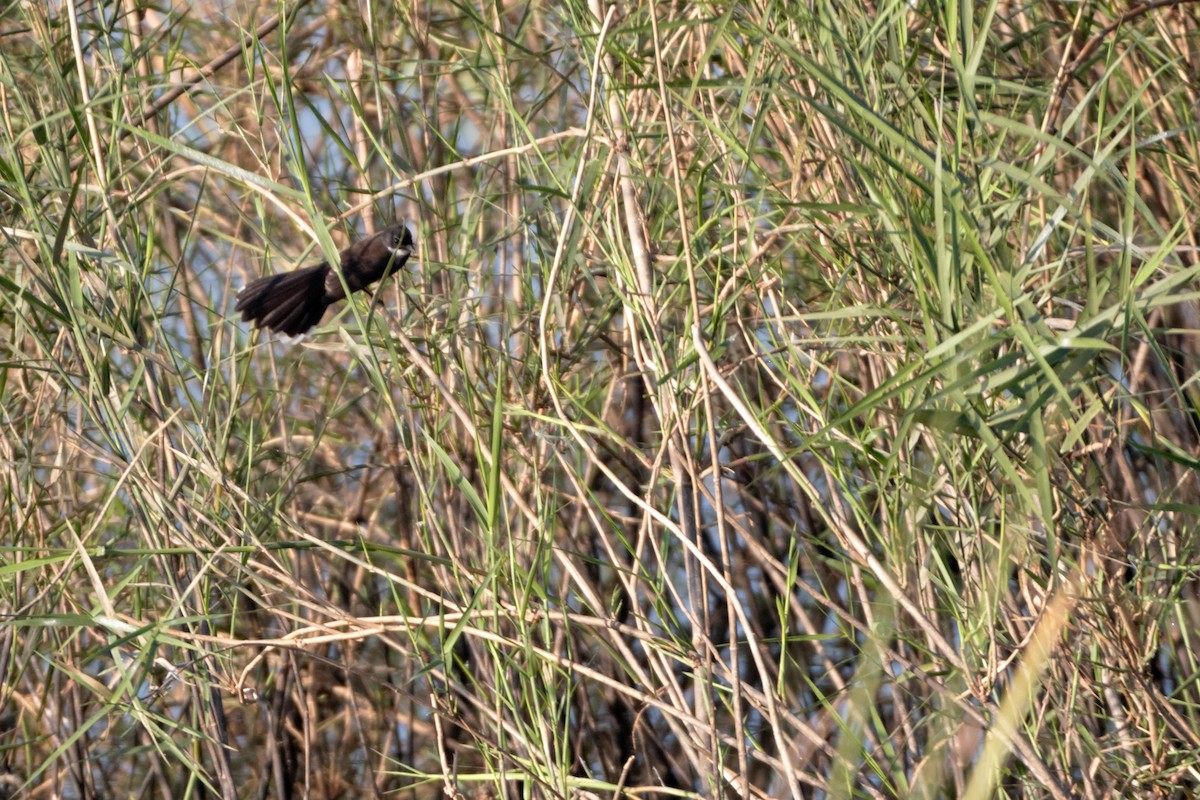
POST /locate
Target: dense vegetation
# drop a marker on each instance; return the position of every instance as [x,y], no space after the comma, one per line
[785,400]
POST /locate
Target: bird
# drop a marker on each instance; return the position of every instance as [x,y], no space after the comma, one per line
[292,303]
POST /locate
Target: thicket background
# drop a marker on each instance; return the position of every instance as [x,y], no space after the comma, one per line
[787,400]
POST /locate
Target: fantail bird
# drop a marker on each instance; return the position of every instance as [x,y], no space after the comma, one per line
[294,302]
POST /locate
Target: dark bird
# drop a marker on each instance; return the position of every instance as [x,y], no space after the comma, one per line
[294,302]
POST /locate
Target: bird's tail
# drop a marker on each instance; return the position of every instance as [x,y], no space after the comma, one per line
[289,304]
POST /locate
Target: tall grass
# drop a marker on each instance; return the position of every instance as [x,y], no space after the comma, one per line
[787,400]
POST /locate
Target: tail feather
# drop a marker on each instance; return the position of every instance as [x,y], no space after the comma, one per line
[294,314]
[290,304]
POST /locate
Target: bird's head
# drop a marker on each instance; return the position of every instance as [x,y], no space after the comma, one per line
[399,241]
